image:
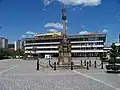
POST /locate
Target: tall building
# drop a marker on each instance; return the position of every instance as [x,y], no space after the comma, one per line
[11,46]
[3,42]
[87,45]
[19,44]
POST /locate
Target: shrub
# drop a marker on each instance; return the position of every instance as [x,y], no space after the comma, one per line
[108,67]
[111,61]
[113,67]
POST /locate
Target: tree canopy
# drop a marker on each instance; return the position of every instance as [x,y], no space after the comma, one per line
[114,61]
[5,53]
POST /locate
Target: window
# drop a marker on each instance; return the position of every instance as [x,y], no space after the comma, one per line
[91,39]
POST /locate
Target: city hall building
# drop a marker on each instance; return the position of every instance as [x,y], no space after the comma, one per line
[87,45]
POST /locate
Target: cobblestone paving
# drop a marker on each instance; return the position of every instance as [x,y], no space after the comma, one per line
[25,77]
[6,64]
[108,78]
[100,74]
[69,82]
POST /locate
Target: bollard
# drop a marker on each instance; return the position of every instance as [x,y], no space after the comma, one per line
[57,63]
[87,65]
[54,65]
[81,63]
[37,64]
[102,65]
[71,65]
[49,61]
[95,64]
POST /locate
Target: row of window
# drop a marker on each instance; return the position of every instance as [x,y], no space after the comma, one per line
[76,54]
[77,44]
[88,39]
[88,48]
[47,49]
[82,44]
[71,39]
[41,45]
[92,54]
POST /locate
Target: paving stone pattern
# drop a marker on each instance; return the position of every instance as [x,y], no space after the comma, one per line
[25,77]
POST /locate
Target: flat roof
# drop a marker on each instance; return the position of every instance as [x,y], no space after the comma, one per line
[49,34]
[69,36]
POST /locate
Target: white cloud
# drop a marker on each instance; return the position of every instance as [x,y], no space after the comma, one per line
[66,21]
[83,32]
[74,9]
[81,9]
[118,15]
[83,26]
[79,2]
[105,31]
[47,2]
[23,36]
[29,32]
[76,2]
[44,9]
[52,30]
[54,25]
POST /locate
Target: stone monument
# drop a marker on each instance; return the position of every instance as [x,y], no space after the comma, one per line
[65,45]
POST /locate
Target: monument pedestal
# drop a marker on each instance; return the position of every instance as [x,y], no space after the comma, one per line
[64,53]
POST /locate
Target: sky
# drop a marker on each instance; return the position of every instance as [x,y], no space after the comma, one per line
[24,18]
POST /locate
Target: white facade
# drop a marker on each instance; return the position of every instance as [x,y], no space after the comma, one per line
[3,42]
[81,45]
[18,45]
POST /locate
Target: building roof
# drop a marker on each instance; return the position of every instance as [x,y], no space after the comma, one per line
[57,35]
[49,34]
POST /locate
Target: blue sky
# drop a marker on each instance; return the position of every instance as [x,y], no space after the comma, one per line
[21,18]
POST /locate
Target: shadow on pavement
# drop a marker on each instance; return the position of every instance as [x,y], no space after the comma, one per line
[113,72]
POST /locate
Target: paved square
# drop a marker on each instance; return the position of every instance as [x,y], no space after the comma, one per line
[22,75]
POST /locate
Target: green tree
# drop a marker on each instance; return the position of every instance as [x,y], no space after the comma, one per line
[20,52]
[1,53]
[119,50]
[113,61]
[6,53]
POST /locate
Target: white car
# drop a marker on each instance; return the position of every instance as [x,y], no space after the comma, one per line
[48,56]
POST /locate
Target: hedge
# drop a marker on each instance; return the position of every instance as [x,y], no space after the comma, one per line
[113,67]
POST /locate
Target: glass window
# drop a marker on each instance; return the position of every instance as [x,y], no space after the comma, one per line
[91,39]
